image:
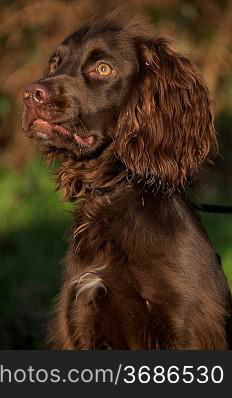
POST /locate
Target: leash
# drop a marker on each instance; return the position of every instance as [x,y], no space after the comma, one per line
[220,209]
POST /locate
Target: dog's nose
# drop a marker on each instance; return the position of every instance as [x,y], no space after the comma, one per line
[36,93]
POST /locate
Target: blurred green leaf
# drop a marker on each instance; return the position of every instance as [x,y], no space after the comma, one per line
[5,106]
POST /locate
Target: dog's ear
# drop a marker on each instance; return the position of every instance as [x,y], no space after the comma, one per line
[166,129]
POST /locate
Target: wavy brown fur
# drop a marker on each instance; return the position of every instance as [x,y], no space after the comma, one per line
[165,289]
[166,130]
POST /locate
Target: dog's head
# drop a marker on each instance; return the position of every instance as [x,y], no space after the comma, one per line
[117,83]
[74,107]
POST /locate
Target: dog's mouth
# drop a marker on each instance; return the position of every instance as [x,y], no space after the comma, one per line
[45,131]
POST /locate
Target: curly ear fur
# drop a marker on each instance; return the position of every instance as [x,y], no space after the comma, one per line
[166,129]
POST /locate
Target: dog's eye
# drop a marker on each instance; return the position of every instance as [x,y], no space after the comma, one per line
[104,69]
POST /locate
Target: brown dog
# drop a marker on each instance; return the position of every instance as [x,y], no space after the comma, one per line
[132,122]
